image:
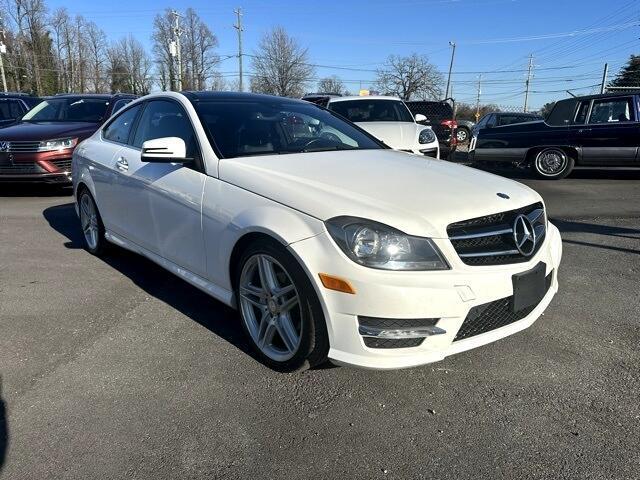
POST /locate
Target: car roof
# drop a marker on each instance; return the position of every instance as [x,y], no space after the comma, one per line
[364,97]
[196,96]
[596,96]
[105,96]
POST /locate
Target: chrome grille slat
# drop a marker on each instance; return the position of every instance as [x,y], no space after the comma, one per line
[22,147]
[489,240]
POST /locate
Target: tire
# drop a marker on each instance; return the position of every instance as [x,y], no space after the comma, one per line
[552,163]
[91,223]
[286,330]
[463,135]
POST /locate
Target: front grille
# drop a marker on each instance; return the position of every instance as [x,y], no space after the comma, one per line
[373,342]
[22,147]
[489,240]
[492,315]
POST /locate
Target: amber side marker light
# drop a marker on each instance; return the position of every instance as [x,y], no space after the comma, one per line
[336,283]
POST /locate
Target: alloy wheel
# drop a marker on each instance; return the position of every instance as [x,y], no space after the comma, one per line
[462,135]
[89,221]
[270,306]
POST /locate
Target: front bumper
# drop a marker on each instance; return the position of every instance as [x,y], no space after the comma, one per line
[444,295]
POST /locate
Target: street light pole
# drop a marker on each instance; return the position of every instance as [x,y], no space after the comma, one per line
[238,27]
[453,54]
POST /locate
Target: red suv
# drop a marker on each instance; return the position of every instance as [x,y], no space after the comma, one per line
[38,147]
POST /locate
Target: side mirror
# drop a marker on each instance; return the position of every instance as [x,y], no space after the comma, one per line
[165,150]
[420,118]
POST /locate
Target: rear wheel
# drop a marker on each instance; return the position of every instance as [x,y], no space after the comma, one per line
[552,163]
[279,308]
[91,223]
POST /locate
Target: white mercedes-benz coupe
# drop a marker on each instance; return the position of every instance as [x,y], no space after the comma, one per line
[388,119]
[330,244]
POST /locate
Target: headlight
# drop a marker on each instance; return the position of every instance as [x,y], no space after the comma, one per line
[376,245]
[59,144]
[426,136]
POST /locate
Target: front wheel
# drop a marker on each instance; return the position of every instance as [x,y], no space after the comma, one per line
[279,308]
[552,164]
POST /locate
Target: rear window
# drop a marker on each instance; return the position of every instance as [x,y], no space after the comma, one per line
[372,110]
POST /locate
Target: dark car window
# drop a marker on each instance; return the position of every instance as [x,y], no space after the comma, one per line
[491,121]
[612,110]
[70,109]
[483,122]
[244,128]
[119,129]
[163,118]
[372,110]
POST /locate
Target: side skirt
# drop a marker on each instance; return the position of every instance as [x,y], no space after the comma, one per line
[221,294]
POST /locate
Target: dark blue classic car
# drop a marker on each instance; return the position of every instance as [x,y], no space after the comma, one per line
[592,131]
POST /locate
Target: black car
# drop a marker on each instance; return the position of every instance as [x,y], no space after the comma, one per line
[14,105]
[591,131]
[321,99]
[440,118]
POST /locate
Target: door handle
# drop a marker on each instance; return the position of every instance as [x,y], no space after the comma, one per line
[122,164]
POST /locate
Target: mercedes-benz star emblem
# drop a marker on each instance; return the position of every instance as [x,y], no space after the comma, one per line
[524,235]
[4,146]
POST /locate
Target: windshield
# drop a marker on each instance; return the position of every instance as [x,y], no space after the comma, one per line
[245,128]
[68,110]
[372,110]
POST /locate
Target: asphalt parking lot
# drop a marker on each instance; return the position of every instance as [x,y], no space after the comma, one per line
[112,368]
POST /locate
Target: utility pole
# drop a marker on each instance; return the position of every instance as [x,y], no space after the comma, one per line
[3,50]
[603,86]
[178,54]
[528,83]
[478,98]
[453,54]
[238,27]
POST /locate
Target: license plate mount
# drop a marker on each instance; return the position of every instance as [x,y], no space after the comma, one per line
[528,287]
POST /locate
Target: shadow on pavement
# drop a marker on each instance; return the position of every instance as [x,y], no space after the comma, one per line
[33,190]
[156,281]
[4,429]
[567,226]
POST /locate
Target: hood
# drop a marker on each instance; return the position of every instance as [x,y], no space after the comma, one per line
[28,131]
[398,135]
[412,193]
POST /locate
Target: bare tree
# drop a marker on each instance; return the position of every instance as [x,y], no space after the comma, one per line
[218,83]
[162,37]
[198,53]
[331,84]
[280,65]
[96,42]
[409,78]
[129,67]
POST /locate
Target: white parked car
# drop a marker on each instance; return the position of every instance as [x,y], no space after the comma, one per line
[330,244]
[388,119]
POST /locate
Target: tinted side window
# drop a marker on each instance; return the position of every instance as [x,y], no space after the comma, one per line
[16,109]
[491,121]
[120,128]
[162,118]
[611,111]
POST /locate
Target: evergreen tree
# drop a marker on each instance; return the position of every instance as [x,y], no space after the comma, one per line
[629,75]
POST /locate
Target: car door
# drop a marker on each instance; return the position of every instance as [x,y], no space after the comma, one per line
[172,191]
[610,136]
[111,166]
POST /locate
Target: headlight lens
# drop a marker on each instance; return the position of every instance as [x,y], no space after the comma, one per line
[427,136]
[376,245]
[59,144]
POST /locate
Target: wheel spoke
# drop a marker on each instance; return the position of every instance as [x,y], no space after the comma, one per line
[287,332]
[266,333]
[289,304]
[284,290]
[267,274]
